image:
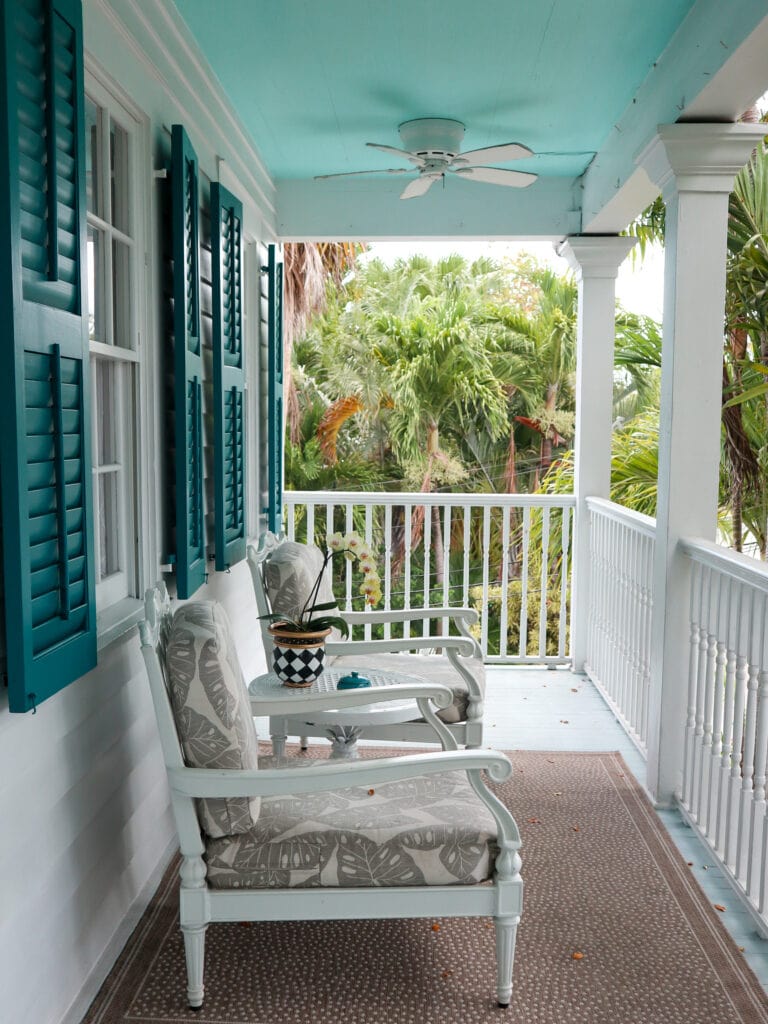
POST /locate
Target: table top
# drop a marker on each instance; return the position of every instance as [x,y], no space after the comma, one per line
[269,696]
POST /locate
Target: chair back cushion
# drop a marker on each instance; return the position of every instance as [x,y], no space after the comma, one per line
[289,575]
[212,709]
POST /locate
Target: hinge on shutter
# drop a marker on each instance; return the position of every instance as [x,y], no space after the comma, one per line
[263,271]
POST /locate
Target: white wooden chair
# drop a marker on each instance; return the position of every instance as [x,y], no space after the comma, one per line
[459,666]
[211,888]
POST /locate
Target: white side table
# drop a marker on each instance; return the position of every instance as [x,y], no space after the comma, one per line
[290,709]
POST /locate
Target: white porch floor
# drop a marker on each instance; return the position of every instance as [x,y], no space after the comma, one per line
[536,709]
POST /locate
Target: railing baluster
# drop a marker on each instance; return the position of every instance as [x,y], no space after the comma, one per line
[350,524]
[748,753]
[369,542]
[523,653]
[444,624]
[387,567]
[291,532]
[565,534]
[486,555]
[544,582]
[407,566]
[311,526]
[465,564]
[504,615]
[723,792]
[427,542]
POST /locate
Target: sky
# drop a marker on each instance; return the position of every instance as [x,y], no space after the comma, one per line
[639,287]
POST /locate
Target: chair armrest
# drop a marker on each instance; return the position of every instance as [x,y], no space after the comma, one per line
[217,782]
[469,615]
[233,782]
[341,647]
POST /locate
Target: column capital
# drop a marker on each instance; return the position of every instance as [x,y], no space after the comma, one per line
[699,157]
[595,255]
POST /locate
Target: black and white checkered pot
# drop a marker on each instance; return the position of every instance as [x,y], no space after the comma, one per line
[298,658]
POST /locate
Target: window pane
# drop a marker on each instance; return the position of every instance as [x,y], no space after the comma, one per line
[109,546]
[121,292]
[118,155]
[95,253]
[107,401]
[91,155]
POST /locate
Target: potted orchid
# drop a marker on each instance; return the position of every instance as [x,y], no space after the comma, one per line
[299,642]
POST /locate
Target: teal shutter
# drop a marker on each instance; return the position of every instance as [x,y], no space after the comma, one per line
[228,377]
[45,453]
[188,368]
[275,405]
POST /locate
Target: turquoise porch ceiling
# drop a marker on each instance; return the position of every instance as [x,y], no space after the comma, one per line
[314,80]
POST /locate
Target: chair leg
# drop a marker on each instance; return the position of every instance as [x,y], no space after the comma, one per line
[303,743]
[506,933]
[194,950]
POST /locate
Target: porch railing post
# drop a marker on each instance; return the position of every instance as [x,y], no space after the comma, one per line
[694,165]
[595,260]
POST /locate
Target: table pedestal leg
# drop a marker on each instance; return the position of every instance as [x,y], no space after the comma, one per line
[344,741]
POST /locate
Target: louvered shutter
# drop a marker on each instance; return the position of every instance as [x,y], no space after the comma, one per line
[228,377]
[188,368]
[275,410]
[45,455]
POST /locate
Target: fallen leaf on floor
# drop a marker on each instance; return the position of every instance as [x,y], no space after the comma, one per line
[435,927]
[550,760]
[371,792]
[575,828]
[557,794]
[534,821]
[741,949]
[245,924]
[720,907]
[574,689]
[690,863]
[446,974]
[564,721]
[577,956]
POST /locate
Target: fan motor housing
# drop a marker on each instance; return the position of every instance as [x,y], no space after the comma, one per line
[430,136]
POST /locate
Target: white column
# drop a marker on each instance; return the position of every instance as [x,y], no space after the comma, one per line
[595,259]
[694,165]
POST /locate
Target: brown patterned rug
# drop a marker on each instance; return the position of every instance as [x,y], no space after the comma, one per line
[602,878]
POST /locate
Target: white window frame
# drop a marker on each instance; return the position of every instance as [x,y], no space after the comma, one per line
[118,601]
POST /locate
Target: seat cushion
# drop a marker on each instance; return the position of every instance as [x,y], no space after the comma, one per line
[430,830]
[290,573]
[434,667]
[212,709]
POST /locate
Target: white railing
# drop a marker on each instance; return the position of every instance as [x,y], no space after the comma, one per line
[620,608]
[508,555]
[726,735]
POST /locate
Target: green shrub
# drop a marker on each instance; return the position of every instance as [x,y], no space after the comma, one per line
[514,603]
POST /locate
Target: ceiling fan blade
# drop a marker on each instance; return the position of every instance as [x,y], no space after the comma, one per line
[497,176]
[420,186]
[412,157]
[349,174]
[493,155]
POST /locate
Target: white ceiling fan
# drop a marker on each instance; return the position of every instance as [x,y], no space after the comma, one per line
[433,148]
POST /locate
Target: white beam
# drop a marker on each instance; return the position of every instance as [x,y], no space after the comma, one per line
[595,261]
[370,208]
[694,165]
[713,68]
